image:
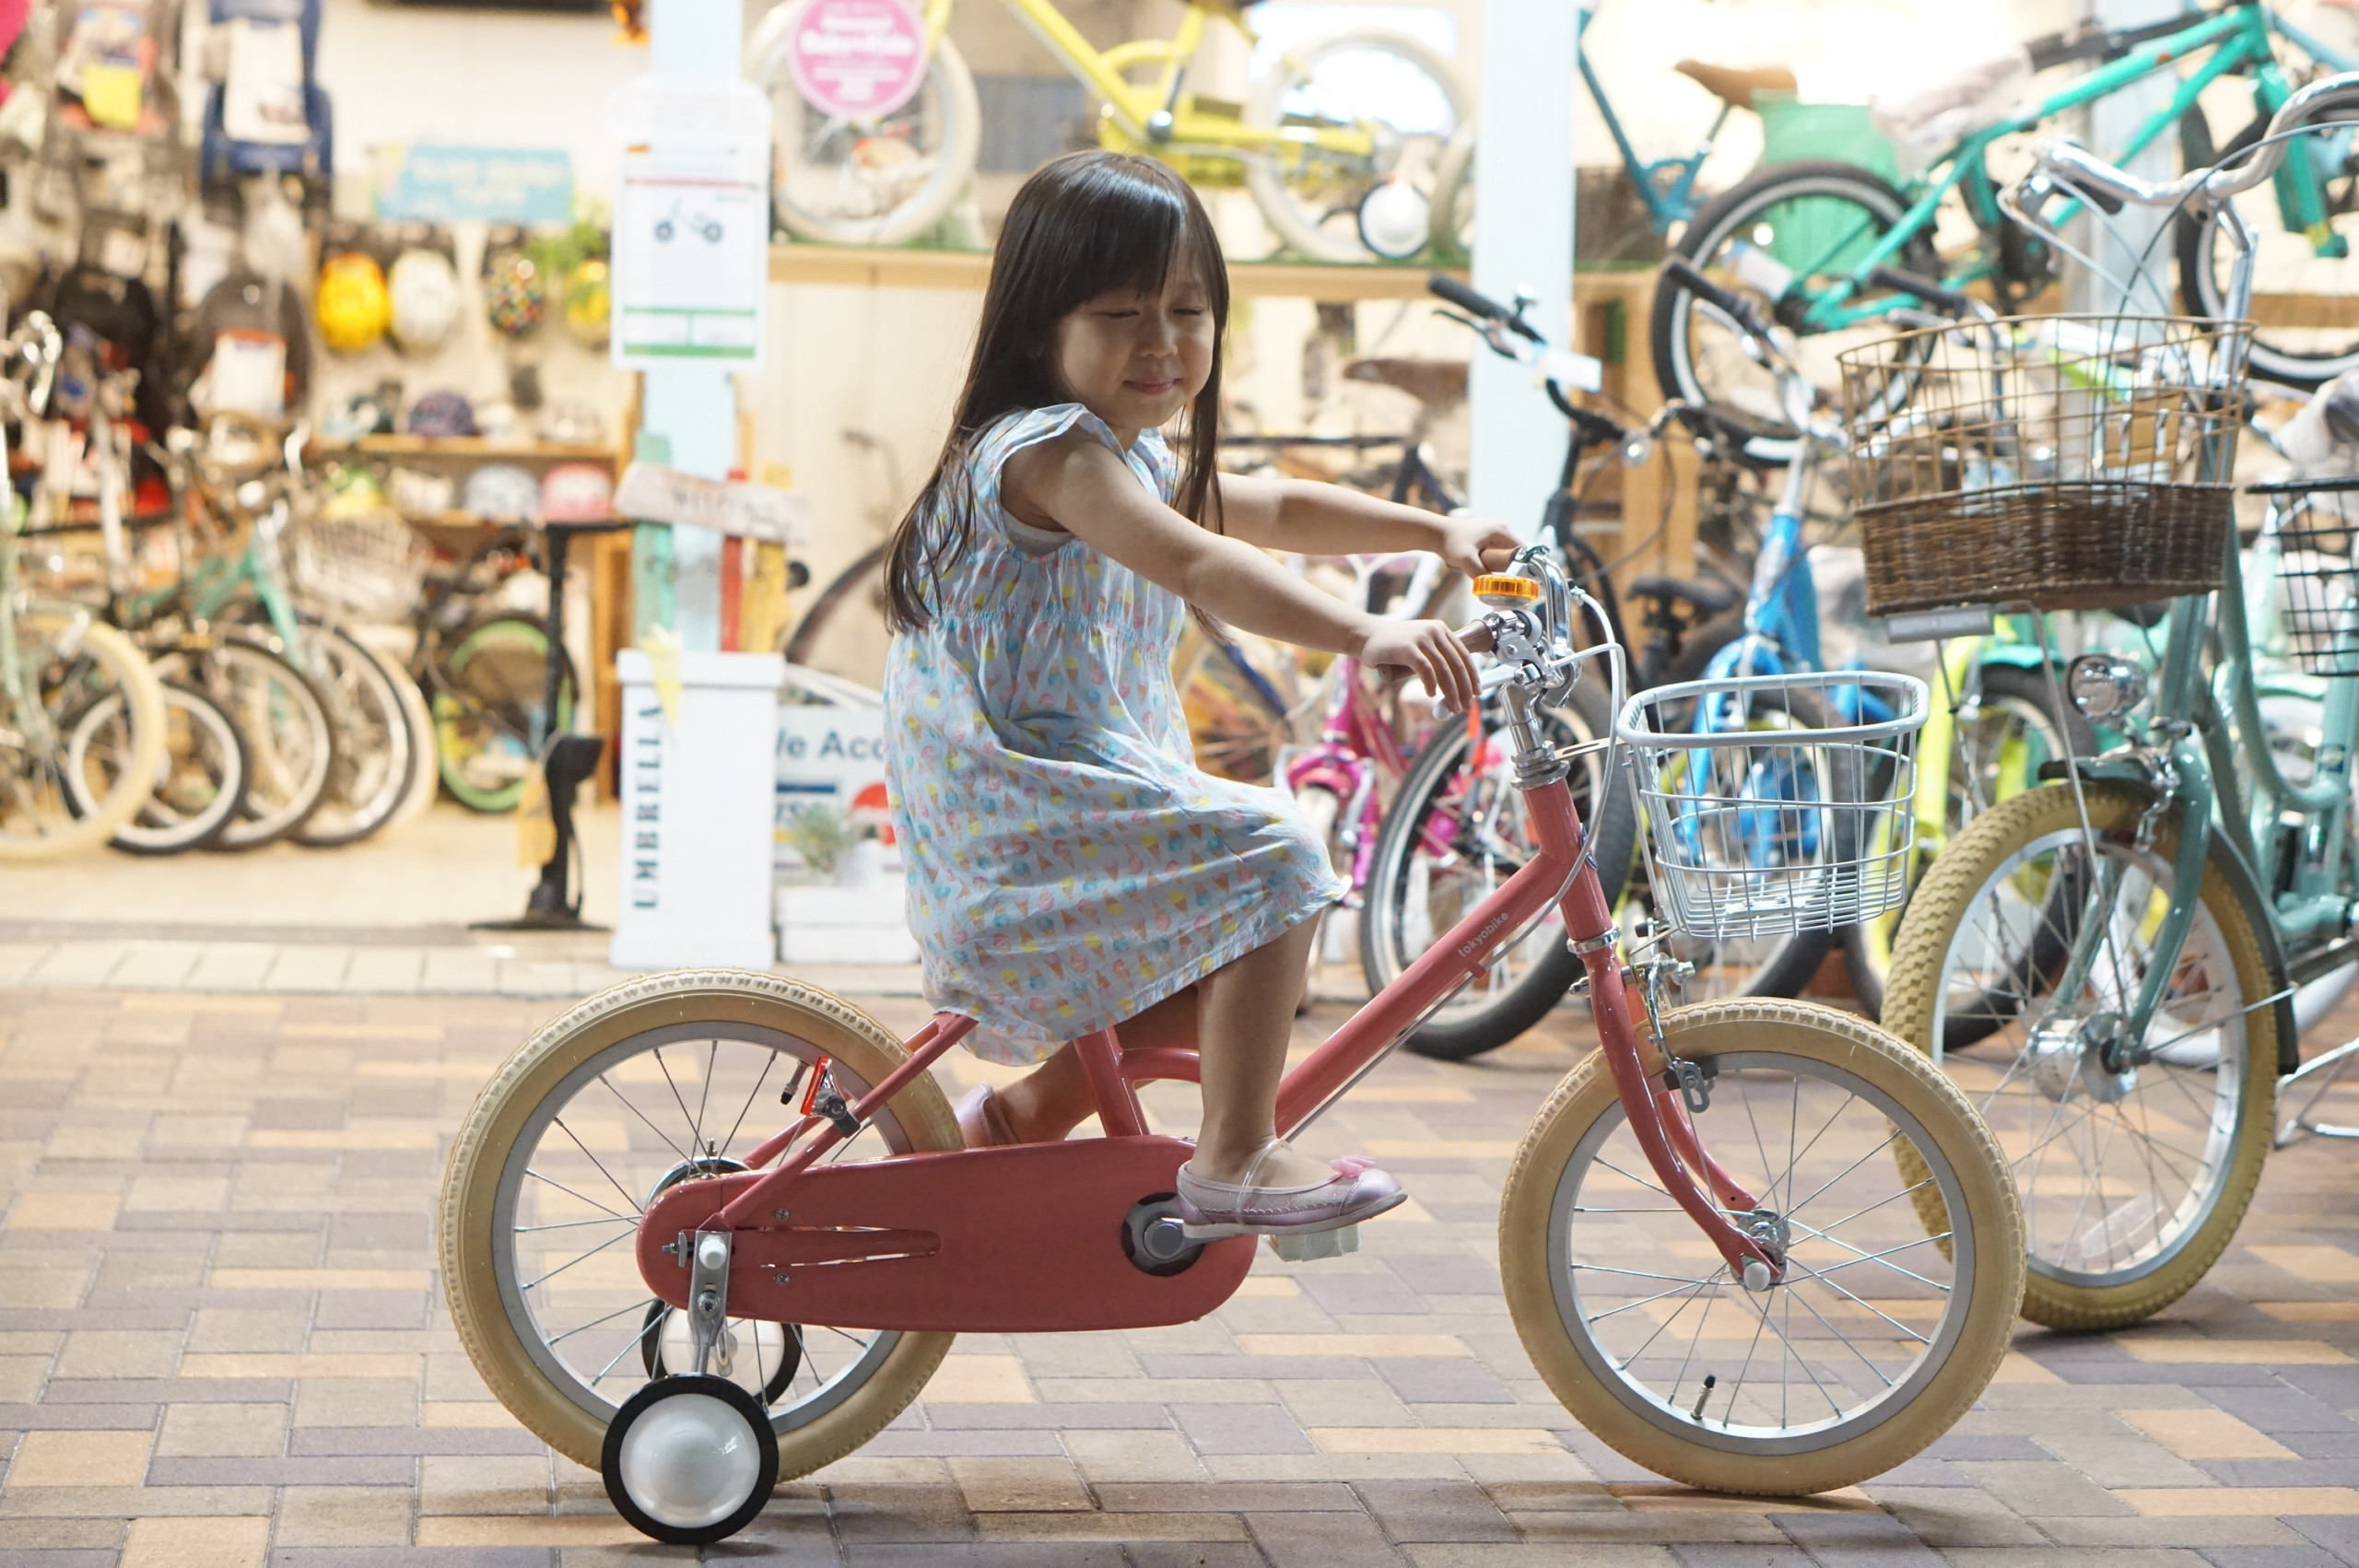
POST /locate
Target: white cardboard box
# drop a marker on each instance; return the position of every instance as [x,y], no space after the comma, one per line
[823,924]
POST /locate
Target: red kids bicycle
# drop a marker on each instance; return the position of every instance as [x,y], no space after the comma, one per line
[664,1283]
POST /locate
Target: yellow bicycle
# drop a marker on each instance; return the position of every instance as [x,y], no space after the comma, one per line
[1342,141]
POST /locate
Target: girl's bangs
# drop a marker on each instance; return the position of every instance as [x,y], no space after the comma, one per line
[1142,227]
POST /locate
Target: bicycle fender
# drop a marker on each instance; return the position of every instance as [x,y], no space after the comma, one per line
[2227,860]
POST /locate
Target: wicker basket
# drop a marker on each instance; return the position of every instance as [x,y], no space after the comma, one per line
[2063,462]
[368,565]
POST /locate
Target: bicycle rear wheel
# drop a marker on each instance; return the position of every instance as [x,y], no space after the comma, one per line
[1879,1335]
[843,632]
[68,665]
[1814,219]
[490,695]
[667,1079]
[1454,834]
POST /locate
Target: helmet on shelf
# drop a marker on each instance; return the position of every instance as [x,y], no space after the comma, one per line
[515,292]
[425,290]
[576,492]
[443,414]
[589,302]
[353,307]
[502,491]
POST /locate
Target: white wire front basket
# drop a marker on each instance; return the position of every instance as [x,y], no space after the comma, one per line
[370,566]
[1777,804]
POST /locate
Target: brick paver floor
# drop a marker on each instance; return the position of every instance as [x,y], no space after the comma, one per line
[222,1344]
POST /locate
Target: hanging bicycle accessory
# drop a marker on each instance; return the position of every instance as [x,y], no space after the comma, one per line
[1758,824]
[2066,463]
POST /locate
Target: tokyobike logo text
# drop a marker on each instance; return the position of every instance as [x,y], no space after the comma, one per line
[1481,940]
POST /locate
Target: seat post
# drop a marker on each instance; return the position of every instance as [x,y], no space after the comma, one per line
[1118,1103]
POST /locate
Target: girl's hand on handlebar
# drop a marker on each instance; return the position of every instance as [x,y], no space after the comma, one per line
[1429,650]
[1471,545]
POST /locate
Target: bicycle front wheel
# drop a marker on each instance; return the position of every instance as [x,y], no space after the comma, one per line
[200,785]
[1404,95]
[1815,220]
[671,1078]
[2135,1158]
[843,632]
[1456,831]
[1878,1336]
[883,181]
[375,753]
[290,739]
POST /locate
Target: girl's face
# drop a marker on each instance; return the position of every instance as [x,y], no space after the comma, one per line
[1136,359]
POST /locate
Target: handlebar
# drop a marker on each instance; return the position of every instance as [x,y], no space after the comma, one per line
[2064,165]
[1688,275]
[1476,303]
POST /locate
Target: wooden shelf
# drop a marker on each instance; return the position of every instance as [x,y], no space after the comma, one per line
[901,267]
[472,448]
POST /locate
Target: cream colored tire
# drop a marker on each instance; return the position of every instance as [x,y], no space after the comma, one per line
[123,667]
[797,1020]
[1987,853]
[1572,1160]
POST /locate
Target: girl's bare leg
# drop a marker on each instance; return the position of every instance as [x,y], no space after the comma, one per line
[1244,1014]
[1055,1097]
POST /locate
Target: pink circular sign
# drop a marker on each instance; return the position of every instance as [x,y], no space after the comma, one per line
[858,59]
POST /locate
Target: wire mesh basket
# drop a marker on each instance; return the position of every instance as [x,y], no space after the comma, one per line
[1777,804]
[2313,527]
[2065,463]
[367,565]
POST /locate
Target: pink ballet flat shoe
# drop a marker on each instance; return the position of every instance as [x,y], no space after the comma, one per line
[982,1120]
[1210,1211]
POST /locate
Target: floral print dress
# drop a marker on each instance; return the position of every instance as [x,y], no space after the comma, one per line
[1068,865]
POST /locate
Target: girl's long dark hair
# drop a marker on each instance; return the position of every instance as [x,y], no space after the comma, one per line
[1087,224]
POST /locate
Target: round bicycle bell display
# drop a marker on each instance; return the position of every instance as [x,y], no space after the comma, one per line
[857,59]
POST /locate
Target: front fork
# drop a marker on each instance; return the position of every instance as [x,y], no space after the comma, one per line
[1644,1078]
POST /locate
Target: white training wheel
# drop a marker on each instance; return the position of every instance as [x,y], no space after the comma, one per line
[690,1460]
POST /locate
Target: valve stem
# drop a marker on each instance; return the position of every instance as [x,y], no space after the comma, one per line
[1697,1414]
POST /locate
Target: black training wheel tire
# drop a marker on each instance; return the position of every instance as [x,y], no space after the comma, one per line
[758,1430]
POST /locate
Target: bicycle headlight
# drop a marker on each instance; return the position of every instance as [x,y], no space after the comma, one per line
[2104,685]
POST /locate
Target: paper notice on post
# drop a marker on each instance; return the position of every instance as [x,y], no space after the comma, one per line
[653,493]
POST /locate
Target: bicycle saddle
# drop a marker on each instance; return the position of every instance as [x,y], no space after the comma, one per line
[1736,85]
[1436,383]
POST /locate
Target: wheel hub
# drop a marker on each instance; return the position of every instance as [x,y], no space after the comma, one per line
[2070,1054]
[1768,1229]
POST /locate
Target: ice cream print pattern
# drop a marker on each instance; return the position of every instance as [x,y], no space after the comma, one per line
[1068,865]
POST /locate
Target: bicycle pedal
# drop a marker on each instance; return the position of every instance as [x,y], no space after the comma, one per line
[1316,1245]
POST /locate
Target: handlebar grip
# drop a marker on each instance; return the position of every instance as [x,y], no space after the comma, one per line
[1949,302]
[1684,273]
[1472,300]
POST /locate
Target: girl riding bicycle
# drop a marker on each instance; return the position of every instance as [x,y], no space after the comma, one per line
[1070,870]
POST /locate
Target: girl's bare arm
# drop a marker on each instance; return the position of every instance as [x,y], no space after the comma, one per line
[1076,485]
[1311,519]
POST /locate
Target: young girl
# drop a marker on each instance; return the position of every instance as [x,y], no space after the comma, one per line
[1070,870]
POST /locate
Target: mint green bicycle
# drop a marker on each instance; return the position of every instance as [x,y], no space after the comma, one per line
[1826,249]
[2108,965]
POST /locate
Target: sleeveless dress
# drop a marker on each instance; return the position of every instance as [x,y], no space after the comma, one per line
[1068,865]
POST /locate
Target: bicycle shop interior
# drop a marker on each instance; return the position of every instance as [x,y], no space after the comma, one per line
[449,763]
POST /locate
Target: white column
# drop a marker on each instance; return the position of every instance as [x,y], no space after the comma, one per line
[694,406]
[1523,227]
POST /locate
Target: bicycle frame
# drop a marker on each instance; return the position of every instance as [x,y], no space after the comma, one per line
[2238,39]
[904,1262]
[1355,748]
[1157,114]
[1667,185]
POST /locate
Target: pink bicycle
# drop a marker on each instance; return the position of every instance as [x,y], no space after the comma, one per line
[664,1283]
